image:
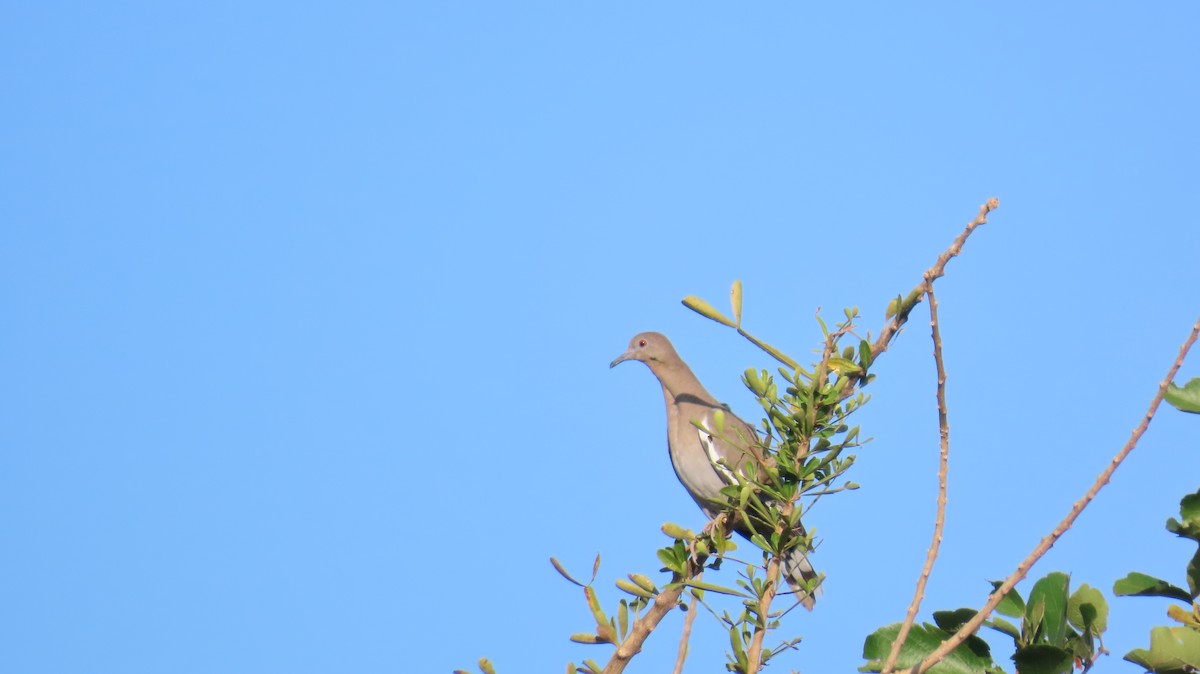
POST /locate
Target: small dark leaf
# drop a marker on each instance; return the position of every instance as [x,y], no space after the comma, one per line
[1088,610]
[952,620]
[1193,575]
[1043,658]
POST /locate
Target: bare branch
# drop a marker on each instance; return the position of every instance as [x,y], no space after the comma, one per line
[943,469]
[1022,569]
[687,634]
[933,273]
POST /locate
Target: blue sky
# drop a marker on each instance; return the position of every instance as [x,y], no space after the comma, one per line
[307,310]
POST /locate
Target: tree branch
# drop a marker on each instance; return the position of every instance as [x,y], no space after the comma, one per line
[933,273]
[1046,543]
[642,627]
[943,469]
[687,635]
[754,655]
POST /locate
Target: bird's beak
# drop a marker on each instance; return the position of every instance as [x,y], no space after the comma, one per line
[620,359]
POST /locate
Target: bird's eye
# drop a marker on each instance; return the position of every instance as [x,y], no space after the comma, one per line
[642,343]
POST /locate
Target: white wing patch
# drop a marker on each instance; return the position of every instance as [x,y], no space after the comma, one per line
[709,443]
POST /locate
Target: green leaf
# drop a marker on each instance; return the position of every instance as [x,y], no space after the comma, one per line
[1088,610]
[739,651]
[643,582]
[1189,510]
[1043,658]
[668,558]
[775,353]
[952,620]
[844,366]
[1173,650]
[1186,398]
[1050,593]
[864,354]
[1193,574]
[675,531]
[1002,625]
[1189,506]
[754,382]
[761,542]
[719,589]
[485,666]
[706,310]
[971,657]
[1141,585]
[586,638]
[893,307]
[735,298]
[719,422]
[594,603]
[1012,605]
[633,589]
[559,567]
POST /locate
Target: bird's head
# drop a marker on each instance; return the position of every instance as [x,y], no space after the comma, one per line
[648,347]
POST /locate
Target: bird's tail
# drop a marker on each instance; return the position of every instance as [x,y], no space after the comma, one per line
[796,569]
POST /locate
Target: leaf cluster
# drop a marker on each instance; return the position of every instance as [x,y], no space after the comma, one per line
[1176,649]
[1058,630]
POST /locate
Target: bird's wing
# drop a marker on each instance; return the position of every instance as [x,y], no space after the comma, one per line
[733,447]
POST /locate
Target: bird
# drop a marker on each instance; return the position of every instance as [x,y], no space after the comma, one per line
[695,446]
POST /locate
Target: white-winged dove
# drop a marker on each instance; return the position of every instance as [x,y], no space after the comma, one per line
[695,451]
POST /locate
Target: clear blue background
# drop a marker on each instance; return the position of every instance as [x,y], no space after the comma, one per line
[307,310]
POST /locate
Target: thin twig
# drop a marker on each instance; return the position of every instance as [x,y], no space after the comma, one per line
[1022,569]
[687,634]
[935,272]
[943,469]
